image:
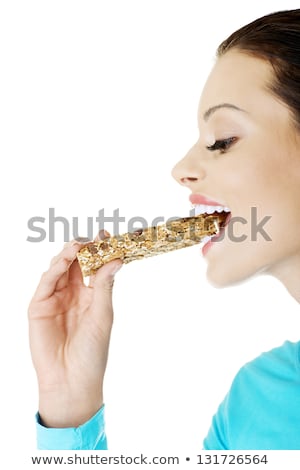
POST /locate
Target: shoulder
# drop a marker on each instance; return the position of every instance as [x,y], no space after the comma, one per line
[282,361]
[262,407]
[269,382]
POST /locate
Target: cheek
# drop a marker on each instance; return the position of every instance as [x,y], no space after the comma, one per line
[254,247]
[253,177]
[257,185]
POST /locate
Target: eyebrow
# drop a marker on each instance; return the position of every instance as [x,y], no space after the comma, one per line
[213,109]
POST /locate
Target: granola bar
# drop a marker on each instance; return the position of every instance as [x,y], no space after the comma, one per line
[150,241]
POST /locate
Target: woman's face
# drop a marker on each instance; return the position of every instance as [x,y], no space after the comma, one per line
[256,174]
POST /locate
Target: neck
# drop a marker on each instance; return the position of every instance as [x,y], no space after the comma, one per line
[288,272]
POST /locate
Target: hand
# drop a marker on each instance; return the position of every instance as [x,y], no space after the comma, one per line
[69,327]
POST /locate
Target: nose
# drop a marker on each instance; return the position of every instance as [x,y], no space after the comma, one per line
[189,171]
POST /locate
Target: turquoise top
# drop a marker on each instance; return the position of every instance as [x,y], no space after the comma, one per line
[88,436]
[262,408]
[260,411]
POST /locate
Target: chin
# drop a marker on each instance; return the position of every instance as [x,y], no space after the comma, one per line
[220,277]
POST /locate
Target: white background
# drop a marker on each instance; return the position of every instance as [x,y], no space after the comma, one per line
[98,102]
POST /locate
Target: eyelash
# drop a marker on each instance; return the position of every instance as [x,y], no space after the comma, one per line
[222,145]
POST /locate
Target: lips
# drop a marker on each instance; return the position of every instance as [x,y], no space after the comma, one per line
[203,205]
[199,199]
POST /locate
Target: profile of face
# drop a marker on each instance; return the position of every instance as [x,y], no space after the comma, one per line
[255,172]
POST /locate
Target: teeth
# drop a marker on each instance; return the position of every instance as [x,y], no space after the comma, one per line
[210,209]
[200,209]
[204,209]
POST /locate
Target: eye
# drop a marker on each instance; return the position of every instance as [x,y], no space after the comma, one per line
[222,145]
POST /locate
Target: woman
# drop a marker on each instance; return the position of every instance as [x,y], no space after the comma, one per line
[247,158]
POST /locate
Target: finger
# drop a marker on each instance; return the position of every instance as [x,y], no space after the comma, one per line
[56,271]
[102,235]
[63,281]
[103,287]
[67,245]
[73,275]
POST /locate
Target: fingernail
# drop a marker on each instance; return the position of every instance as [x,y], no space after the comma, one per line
[103,234]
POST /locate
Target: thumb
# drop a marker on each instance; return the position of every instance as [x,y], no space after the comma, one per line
[103,282]
[104,277]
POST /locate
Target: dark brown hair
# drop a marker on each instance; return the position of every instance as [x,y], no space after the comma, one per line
[275,38]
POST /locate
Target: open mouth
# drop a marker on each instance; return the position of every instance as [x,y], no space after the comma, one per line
[223,221]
